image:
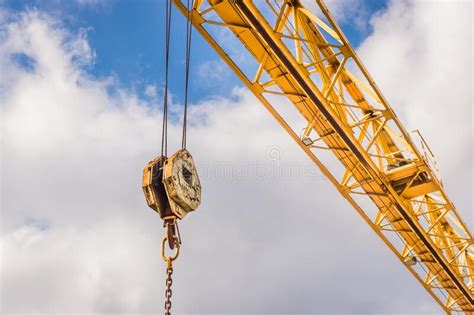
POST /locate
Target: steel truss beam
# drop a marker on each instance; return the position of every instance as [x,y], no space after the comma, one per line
[306,59]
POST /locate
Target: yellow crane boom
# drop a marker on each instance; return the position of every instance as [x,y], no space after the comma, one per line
[294,57]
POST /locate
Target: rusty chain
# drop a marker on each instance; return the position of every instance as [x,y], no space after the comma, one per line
[168,291]
[169,264]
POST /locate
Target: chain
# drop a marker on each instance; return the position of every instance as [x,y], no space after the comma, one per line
[168,292]
[169,270]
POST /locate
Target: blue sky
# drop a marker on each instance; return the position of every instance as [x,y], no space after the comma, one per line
[128,38]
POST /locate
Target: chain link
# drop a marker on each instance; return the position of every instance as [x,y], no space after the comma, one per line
[169,264]
[168,292]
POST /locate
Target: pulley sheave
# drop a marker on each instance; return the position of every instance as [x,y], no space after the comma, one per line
[172,186]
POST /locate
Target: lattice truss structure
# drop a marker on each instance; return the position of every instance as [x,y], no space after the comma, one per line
[299,64]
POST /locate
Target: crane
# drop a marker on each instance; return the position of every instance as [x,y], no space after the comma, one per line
[302,59]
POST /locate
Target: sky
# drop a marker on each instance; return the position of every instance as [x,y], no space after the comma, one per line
[81,86]
[128,38]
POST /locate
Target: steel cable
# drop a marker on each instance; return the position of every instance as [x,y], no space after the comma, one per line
[189,32]
[164,131]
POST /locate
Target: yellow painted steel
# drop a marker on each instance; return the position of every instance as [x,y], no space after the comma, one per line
[291,56]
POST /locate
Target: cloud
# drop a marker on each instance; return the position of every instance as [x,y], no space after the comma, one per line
[91,2]
[77,236]
[212,70]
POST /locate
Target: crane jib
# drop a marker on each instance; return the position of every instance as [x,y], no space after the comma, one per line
[262,32]
[304,57]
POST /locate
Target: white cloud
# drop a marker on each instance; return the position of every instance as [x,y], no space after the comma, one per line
[212,70]
[91,2]
[77,236]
